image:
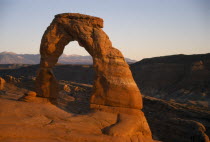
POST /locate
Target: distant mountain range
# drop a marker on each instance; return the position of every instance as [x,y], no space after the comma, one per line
[13,58]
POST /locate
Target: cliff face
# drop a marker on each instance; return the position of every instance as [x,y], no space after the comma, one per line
[180,78]
[174,122]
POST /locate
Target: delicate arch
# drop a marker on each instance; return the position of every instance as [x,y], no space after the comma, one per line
[113,85]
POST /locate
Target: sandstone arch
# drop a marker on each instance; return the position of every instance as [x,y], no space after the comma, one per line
[114,89]
[113,85]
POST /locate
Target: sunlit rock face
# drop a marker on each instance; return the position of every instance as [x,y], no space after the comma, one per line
[113,85]
[2,83]
[114,88]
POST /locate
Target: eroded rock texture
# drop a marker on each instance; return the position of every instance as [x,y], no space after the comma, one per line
[114,88]
[114,84]
[2,83]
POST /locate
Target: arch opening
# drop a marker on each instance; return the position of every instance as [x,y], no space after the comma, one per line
[74,67]
[74,54]
[75,76]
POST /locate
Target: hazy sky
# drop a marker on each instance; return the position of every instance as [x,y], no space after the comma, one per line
[139,28]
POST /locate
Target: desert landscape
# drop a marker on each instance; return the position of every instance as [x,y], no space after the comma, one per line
[184,117]
[115,102]
[138,71]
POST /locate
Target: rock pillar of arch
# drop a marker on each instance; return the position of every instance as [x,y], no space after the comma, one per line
[114,85]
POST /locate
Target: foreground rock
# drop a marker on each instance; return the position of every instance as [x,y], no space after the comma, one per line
[30,96]
[31,121]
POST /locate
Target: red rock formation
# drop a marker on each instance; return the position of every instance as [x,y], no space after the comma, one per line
[112,72]
[2,83]
[66,88]
[12,79]
[114,88]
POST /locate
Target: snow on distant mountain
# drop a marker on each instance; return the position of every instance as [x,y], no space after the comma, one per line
[13,58]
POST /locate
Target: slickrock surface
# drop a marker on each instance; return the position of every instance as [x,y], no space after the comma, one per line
[68,121]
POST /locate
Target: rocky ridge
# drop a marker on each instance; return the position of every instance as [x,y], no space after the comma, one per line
[180,78]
